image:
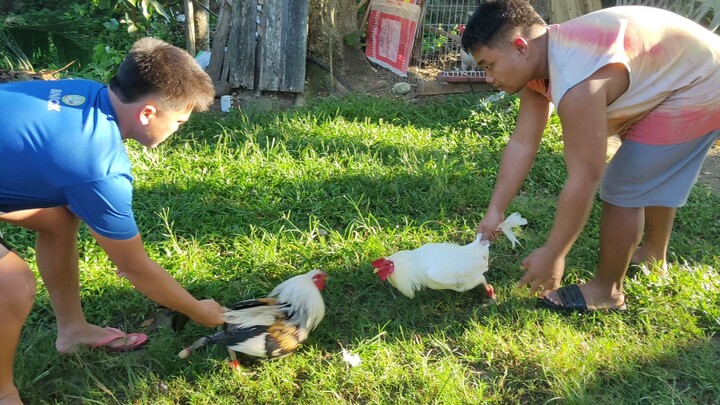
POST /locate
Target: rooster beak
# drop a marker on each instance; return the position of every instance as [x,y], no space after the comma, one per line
[376,270]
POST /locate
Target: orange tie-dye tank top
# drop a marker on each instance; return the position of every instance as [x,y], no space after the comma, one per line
[673,64]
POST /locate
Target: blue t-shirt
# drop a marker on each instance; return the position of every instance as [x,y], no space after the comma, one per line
[60,145]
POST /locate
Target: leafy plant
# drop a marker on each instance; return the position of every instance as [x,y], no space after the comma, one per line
[45,37]
[138,15]
[48,35]
[13,57]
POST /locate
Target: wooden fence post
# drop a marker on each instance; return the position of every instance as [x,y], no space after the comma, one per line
[189,27]
[202,26]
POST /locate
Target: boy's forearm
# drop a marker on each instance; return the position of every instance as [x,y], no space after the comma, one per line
[514,168]
[158,285]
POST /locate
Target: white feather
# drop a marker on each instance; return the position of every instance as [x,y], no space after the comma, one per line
[305,298]
[260,315]
[254,346]
[514,220]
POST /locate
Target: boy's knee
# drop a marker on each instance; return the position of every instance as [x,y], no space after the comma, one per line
[27,288]
[21,291]
[60,224]
[18,286]
[64,220]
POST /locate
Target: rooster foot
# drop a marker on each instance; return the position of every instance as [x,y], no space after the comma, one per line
[490,292]
[233,362]
[235,365]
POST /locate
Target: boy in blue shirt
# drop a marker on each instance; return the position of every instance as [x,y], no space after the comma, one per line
[63,162]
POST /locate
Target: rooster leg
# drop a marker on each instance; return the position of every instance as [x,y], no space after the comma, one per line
[185,353]
[490,291]
[233,360]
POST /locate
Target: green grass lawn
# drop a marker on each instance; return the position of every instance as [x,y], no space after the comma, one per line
[233,205]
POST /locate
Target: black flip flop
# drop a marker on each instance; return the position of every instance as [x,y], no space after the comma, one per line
[573,301]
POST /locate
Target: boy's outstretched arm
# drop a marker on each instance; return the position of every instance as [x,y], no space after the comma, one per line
[154,282]
[583,114]
[518,157]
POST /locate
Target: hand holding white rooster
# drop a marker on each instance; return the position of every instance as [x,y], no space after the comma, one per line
[443,266]
[273,326]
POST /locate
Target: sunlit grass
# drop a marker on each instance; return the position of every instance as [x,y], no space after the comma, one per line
[231,206]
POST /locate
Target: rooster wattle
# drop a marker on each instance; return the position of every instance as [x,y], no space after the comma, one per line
[274,326]
[443,266]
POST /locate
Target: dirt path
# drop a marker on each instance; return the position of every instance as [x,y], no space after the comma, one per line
[710,173]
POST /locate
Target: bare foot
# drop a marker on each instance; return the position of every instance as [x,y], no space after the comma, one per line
[596,297]
[89,335]
[642,255]
[10,397]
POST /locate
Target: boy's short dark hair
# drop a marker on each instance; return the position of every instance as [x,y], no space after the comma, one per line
[495,19]
[165,72]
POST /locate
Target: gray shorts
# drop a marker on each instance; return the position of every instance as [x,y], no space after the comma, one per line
[641,175]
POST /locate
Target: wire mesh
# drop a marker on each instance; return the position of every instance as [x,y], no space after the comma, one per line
[437,47]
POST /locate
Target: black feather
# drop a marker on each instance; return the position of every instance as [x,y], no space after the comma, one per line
[178,322]
[234,334]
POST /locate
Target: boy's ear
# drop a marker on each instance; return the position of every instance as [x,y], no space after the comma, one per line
[146,113]
[520,42]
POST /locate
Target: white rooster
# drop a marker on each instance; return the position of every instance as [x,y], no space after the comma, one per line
[443,266]
[274,326]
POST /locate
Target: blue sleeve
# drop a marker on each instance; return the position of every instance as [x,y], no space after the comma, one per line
[105,205]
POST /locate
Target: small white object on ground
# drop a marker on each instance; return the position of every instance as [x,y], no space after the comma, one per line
[352,359]
[225,103]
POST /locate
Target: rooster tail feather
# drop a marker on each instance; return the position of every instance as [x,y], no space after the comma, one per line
[256,302]
[514,220]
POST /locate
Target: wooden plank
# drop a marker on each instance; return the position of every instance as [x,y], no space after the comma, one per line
[282,45]
[271,44]
[433,88]
[244,44]
[296,45]
[219,42]
[363,21]
[417,45]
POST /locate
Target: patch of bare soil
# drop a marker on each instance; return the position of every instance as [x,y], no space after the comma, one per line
[709,174]
[359,75]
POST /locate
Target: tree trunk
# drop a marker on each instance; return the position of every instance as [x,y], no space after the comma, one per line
[189,27]
[202,26]
[329,22]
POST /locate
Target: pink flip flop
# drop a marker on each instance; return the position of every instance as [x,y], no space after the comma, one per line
[133,341]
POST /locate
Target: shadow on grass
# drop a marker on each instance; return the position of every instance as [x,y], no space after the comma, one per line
[686,375]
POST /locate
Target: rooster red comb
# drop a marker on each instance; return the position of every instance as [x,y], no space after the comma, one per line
[383,268]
